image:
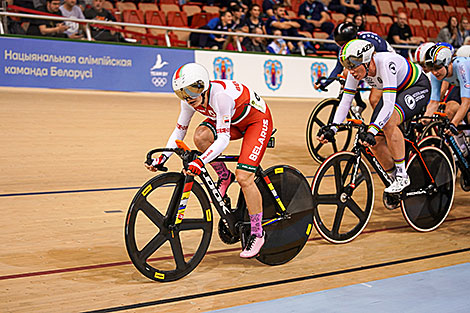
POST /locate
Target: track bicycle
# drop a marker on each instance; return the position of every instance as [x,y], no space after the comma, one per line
[434,135]
[323,114]
[169,223]
[343,189]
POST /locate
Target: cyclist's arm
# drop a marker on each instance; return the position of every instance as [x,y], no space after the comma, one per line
[336,71]
[389,95]
[435,97]
[223,109]
[462,68]
[181,128]
[348,96]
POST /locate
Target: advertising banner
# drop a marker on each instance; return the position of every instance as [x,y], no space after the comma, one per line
[82,65]
[270,74]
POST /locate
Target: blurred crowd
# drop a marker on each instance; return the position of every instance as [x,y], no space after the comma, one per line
[312,19]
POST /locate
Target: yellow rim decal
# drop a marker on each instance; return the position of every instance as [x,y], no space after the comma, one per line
[208,215]
[146,190]
[279,170]
[159,275]
[309,229]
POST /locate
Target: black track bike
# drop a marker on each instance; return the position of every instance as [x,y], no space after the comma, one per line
[323,114]
[343,189]
[169,223]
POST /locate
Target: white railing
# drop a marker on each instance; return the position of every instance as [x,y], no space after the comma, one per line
[167,29]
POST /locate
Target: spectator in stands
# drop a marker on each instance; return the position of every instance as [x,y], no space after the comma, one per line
[49,28]
[360,21]
[268,6]
[222,23]
[238,16]
[400,33]
[465,30]
[279,21]
[451,33]
[231,43]
[71,9]
[97,12]
[278,46]
[256,44]
[352,7]
[315,15]
[252,20]
[244,4]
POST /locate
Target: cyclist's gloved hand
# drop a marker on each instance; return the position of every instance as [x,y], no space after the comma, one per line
[156,163]
[367,137]
[195,166]
[328,133]
[453,129]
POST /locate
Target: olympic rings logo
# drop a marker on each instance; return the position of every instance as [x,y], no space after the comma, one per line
[159,81]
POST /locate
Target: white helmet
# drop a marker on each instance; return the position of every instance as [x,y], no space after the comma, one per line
[438,56]
[190,80]
[421,52]
[355,53]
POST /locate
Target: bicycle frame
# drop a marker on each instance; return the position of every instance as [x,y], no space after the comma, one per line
[231,217]
[359,150]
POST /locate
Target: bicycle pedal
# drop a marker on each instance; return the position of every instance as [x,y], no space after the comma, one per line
[391,201]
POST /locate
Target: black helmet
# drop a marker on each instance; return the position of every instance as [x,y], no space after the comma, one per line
[345,32]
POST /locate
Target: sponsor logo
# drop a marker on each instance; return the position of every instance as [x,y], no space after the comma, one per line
[262,137]
[215,192]
[223,68]
[410,102]
[159,77]
[223,130]
[273,74]
[366,48]
[181,127]
[226,119]
[317,70]
[380,80]
[392,67]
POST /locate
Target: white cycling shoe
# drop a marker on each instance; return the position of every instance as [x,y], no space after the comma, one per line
[398,185]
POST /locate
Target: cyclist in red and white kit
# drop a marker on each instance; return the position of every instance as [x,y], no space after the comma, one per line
[233,111]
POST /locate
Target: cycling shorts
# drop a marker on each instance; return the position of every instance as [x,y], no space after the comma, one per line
[411,101]
[255,129]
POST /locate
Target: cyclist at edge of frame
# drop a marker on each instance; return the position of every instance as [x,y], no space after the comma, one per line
[343,33]
[406,91]
[233,111]
[456,71]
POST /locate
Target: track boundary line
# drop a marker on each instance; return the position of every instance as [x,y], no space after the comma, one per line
[274,283]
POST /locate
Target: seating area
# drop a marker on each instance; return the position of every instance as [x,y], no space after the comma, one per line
[425,20]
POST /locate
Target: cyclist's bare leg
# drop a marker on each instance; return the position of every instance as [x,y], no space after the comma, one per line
[374,97]
[396,142]
[451,108]
[203,138]
[253,199]
[382,153]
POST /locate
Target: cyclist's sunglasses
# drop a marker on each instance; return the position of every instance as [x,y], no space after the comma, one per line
[433,67]
[351,62]
[190,92]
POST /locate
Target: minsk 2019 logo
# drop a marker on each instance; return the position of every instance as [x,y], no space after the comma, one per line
[159,76]
[223,68]
[273,74]
[318,70]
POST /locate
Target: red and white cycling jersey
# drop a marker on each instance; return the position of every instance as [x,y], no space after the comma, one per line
[231,104]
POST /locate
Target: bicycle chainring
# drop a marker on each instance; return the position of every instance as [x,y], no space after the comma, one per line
[391,201]
[225,235]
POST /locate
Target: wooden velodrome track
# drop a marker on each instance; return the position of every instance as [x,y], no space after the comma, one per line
[70,164]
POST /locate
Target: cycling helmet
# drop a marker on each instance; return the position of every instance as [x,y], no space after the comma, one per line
[190,80]
[355,53]
[438,56]
[421,51]
[345,32]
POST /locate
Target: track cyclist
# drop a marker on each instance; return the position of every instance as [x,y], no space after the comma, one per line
[456,71]
[343,33]
[233,111]
[406,91]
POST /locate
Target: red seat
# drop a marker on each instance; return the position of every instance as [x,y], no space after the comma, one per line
[417,14]
[378,29]
[155,18]
[432,33]
[133,16]
[177,18]
[200,19]
[420,31]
